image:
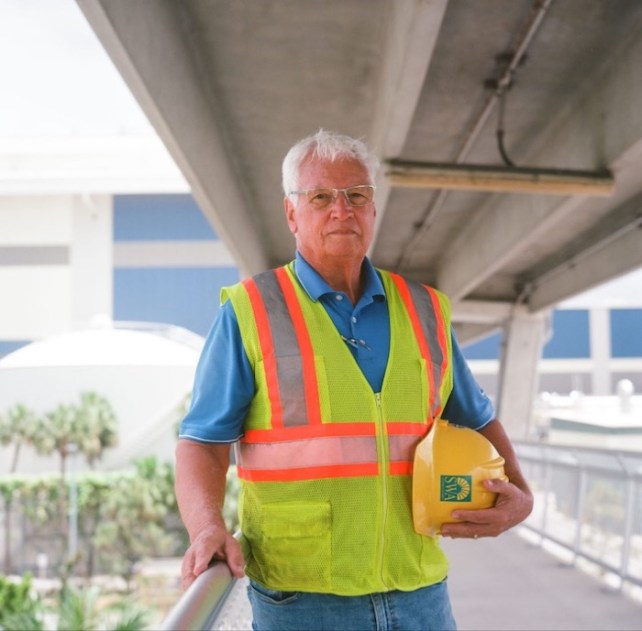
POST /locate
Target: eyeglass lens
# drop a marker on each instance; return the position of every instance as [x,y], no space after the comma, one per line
[355,196]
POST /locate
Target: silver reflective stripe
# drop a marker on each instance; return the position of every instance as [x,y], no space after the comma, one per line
[300,453]
[402,447]
[289,366]
[426,314]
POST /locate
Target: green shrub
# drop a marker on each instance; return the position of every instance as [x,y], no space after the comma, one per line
[19,606]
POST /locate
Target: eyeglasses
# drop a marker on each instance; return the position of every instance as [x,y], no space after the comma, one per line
[321,198]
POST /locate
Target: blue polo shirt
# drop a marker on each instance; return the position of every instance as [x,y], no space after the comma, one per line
[224,380]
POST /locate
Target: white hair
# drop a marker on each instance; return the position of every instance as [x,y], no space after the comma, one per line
[326,145]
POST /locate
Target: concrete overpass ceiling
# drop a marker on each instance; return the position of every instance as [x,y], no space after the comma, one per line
[230,85]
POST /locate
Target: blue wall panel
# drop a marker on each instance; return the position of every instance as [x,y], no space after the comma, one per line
[8,346]
[626,332]
[187,297]
[159,218]
[488,348]
[571,337]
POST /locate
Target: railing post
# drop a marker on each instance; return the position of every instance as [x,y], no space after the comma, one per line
[628,523]
[579,510]
[547,490]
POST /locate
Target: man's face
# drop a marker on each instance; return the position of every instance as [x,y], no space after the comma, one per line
[340,231]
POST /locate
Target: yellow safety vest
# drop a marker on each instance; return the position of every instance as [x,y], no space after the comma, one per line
[325,463]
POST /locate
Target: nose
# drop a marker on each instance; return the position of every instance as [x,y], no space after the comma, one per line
[341,207]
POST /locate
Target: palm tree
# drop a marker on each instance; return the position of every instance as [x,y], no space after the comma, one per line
[134,514]
[17,427]
[89,428]
[97,426]
[57,431]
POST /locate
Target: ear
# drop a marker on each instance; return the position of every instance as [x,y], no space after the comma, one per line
[290,214]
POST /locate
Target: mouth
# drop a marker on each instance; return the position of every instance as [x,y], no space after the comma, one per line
[343,233]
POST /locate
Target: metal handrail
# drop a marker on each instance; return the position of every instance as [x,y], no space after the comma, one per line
[624,467]
[200,605]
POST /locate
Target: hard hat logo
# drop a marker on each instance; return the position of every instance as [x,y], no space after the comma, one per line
[456,488]
[436,490]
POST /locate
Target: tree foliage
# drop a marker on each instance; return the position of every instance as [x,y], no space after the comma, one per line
[91,426]
[17,603]
[18,427]
[74,609]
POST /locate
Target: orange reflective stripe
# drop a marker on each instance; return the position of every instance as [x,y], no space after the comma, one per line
[306,452]
[329,450]
[401,468]
[305,347]
[406,296]
[401,428]
[286,348]
[286,351]
[267,346]
[309,473]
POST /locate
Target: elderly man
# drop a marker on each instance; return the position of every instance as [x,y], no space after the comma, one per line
[326,373]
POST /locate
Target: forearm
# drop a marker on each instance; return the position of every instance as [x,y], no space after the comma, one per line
[496,434]
[200,491]
[200,484]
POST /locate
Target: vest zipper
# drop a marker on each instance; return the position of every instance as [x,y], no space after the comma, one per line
[381,448]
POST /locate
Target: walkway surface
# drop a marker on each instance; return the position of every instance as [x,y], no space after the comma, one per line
[508,584]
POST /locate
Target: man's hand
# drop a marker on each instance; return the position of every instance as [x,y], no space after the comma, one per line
[200,491]
[513,505]
[212,543]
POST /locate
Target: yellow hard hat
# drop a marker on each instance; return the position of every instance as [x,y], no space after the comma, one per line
[450,464]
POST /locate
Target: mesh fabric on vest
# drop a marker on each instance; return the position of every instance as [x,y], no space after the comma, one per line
[349,535]
[330,543]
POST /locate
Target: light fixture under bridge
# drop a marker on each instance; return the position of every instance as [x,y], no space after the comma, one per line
[499,179]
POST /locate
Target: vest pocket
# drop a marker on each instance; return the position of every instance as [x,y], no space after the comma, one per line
[296,546]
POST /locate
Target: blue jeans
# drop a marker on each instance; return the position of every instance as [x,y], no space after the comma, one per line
[424,609]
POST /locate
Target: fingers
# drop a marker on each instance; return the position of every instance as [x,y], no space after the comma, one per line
[200,554]
[187,569]
[473,526]
[511,507]
[234,558]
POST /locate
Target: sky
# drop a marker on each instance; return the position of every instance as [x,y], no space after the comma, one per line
[56,80]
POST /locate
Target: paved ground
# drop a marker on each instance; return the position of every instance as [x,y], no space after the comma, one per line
[508,584]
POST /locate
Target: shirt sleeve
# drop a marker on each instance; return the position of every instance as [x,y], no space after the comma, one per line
[223,385]
[468,404]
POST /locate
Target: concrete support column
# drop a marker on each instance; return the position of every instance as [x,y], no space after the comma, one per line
[600,336]
[521,351]
[91,258]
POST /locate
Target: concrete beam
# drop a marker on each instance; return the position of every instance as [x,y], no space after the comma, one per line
[608,107]
[617,255]
[469,333]
[412,31]
[145,42]
[481,311]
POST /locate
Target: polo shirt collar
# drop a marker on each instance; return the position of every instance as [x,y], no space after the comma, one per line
[316,287]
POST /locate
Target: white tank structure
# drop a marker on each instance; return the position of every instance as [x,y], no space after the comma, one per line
[144,370]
